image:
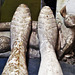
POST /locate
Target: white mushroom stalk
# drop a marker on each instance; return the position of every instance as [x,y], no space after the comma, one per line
[20,30]
[47,32]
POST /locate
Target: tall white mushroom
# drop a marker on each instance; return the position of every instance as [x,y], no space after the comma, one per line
[20,30]
[47,32]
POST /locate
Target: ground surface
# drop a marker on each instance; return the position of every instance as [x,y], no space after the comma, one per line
[33,66]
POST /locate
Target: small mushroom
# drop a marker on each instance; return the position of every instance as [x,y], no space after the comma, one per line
[69,22]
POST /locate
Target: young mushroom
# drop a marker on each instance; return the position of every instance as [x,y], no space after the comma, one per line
[20,30]
[68,13]
[47,33]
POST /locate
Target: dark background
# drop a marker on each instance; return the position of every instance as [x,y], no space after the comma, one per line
[34,63]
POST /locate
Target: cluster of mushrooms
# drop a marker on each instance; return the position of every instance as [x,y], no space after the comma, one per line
[43,35]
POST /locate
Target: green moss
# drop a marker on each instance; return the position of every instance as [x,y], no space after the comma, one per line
[9,7]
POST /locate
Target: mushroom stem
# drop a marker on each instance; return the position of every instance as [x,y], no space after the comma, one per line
[20,30]
[47,32]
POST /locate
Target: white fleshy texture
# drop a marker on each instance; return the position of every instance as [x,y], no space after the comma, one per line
[20,30]
[47,31]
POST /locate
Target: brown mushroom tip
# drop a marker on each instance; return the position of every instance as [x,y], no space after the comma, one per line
[63,12]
